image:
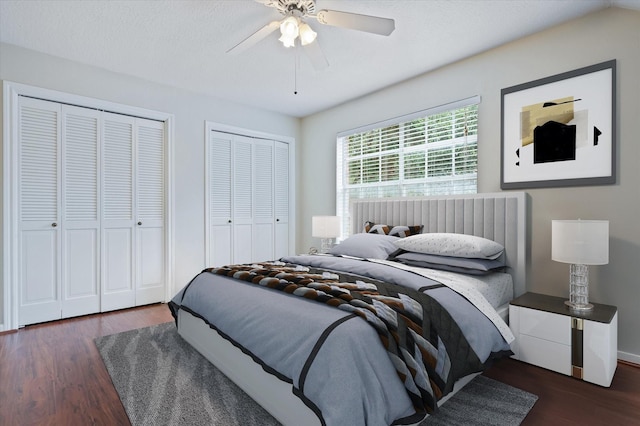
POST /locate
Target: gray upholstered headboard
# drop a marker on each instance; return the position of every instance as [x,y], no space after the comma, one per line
[500,217]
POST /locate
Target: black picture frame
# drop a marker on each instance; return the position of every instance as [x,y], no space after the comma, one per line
[560,130]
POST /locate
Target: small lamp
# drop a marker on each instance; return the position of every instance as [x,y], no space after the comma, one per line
[289,29]
[293,27]
[580,243]
[327,228]
[307,35]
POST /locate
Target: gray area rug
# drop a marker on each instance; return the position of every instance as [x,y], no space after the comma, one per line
[162,380]
[484,401]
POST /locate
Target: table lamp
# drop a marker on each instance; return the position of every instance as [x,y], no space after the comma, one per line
[580,243]
[327,228]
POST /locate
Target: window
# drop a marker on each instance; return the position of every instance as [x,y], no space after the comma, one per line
[431,152]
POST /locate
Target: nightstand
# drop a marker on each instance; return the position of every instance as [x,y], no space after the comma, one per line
[550,335]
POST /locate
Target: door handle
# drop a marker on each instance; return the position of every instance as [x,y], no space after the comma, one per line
[54,224]
[139,223]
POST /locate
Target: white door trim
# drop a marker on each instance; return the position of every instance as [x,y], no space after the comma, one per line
[11,92]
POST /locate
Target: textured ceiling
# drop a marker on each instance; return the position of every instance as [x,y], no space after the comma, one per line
[183,43]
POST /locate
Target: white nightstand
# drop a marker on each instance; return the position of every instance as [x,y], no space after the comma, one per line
[579,344]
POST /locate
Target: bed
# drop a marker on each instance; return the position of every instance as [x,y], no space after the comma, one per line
[313,364]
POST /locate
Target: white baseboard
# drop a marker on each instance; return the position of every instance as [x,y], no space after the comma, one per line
[629,357]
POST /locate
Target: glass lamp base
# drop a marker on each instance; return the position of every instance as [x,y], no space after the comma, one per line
[326,245]
[579,288]
[578,307]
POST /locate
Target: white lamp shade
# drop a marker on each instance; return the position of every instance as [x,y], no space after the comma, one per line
[325,226]
[287,41]
[289,27]
[307,35]
[581,242]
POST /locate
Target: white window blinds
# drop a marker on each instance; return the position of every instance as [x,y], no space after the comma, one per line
[432,152]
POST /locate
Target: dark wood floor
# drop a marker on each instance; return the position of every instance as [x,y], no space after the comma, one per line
[563,400]
[52,374]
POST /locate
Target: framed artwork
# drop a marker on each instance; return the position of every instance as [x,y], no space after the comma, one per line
[560,130]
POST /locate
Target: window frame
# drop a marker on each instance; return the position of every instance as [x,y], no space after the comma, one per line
[402,185]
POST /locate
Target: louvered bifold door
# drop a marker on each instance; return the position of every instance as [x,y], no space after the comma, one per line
[242,200]
[281,200]
[220,190]
[39,133]
[118,236]
[150,212]
[263,197]
[80,211]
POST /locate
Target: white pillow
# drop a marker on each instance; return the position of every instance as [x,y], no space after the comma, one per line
[456,245]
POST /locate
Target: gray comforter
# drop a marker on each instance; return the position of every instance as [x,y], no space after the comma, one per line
[334,361]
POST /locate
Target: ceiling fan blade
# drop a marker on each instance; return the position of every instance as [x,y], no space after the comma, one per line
[254,38]
[354,21]
[316,55]
[270,3]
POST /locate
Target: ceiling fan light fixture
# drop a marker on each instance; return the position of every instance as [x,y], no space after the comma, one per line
[287,41]
[290,27]
[307,35]
[293,25]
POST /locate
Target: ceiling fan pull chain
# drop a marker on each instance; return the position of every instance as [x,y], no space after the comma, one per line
[295,70]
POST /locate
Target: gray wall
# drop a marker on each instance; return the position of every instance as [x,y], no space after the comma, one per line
[611,34]
[190,110]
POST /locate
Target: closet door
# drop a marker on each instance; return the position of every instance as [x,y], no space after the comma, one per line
[39,134]
[220,190]
[80,254]
[118,236]
[87,211]
[263,231]
[281,204]
[242,200]
[150,190]
[248,199]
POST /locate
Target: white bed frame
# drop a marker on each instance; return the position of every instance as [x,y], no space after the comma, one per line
[497,216]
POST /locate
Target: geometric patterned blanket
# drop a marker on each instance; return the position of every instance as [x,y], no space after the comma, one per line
[412,326]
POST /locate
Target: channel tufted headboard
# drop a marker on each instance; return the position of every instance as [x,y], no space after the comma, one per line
[501,217]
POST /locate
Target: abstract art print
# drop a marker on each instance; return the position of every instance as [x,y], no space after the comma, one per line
[560,130]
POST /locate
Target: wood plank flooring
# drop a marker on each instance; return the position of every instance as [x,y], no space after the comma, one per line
[563,400]
[52,374]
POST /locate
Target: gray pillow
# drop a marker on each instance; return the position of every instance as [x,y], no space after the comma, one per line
[463,265]
[449,244]
[368,246]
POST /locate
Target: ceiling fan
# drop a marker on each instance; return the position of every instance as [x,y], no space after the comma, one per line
[294,26]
